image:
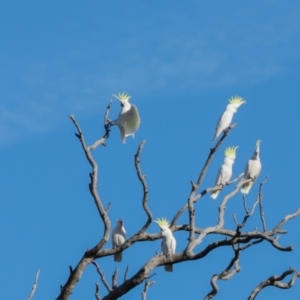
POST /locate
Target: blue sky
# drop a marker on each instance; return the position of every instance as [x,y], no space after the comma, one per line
[181,62]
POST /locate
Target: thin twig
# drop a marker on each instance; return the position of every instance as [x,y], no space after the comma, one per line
[251,244]
[126,272]
[97,292]
[260,198]
[107,125]
[147,285]
[248,215]
[102,276]
[115,279]
[34,285]
[235,220]
[285,219]
[245,204]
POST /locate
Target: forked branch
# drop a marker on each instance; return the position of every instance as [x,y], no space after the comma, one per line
[146,287]
[102,276]
[107,125]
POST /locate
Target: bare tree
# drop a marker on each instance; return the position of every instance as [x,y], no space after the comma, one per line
[234,238]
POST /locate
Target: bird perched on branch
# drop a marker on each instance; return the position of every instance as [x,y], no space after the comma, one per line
[118,237]
[128,120]
[226,118]
[252,170]
[168,243]
[225,171]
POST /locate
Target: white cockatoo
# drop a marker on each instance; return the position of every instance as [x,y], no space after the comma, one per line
[225,171]
[168,243]
[226,118]
[252,169]
[118,237]
[128,120]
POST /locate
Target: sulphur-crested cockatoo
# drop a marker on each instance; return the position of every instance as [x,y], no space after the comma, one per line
[225,171]
[252,169]
[118,237]
[226,118]
[168,243]
[128,120]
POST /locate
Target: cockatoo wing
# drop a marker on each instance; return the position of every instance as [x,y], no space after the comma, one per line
[173,245]
[223,122]
[215,194]
[128,122]
[170,250]
[117,240]
[223,177]
[247,186]
[252,170]
[220,175]
[133,122]
[122,133]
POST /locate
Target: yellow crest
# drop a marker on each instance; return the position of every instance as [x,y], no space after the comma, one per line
[236,101]
[230,151]
[123,97]
[258,143]
[162,222]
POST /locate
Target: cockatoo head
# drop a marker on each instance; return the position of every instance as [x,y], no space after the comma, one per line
[163,225]
[256,152]
[123,98]
[257,145]
[120,222]
[230,152]
[235,103]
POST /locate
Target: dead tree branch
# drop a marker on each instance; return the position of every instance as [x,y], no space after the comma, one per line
[222,207]
[89,255]
[196,186]
[260,199]
[285,219]
[247,238]
[248,215]
[102,276]
[238,239]
[115,279]
[145,187]
[146,287]
[276,281]
[107,125]
[97,292]
[126,272]
[225,275]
